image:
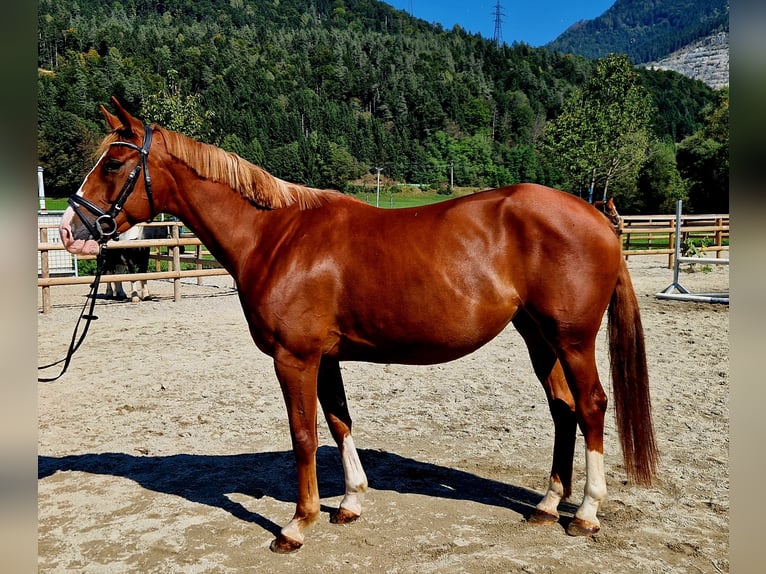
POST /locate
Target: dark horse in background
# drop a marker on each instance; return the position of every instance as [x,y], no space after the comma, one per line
[324,278]
[132,260]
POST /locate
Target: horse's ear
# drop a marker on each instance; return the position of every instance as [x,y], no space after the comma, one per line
[113,121]
[123,121]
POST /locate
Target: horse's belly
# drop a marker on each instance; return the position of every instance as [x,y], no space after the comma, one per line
[438,344]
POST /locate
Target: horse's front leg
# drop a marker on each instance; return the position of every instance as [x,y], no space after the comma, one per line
[332,397]
[119,290]
[298,379]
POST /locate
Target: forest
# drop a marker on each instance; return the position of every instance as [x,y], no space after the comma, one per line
[329,92]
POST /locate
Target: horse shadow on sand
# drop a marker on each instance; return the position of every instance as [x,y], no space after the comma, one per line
[209,479]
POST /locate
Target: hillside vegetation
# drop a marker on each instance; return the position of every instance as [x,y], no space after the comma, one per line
[324,92]
[645,30]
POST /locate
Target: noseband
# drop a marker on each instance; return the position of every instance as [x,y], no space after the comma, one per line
[105,225]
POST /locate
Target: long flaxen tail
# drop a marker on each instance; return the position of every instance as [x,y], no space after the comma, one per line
[630,381]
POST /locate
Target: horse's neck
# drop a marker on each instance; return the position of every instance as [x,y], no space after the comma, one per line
[226,223]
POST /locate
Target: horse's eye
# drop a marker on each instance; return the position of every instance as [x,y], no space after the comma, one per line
[112,165]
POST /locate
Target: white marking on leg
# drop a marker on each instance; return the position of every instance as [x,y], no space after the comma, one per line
[550,502]
[135,291]
[356,480]
[293,531]
[595,487]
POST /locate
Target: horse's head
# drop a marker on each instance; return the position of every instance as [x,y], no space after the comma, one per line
[117,193]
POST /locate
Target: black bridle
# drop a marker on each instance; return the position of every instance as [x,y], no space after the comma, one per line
[102,230]
[105,225]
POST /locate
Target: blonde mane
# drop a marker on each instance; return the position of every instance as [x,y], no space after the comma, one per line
[218,165]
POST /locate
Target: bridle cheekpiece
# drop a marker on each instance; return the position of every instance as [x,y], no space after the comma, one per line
[105,225]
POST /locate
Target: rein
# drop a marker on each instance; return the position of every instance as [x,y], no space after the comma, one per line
[102,229]
[75,343]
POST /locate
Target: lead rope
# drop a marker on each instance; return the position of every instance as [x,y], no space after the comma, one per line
[75,342]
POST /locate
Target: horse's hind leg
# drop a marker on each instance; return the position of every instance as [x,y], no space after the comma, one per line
[332,397]
[562,407]
[579,363]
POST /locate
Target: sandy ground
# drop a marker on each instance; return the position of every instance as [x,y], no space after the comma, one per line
[165,448]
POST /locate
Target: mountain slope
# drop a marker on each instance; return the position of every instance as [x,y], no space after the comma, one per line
[706,60]
[645,30]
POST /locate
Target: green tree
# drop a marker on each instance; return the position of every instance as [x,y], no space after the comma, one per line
[703,160]
[603,132]
[338,166]
[660,184]
[177,112]
[65,144]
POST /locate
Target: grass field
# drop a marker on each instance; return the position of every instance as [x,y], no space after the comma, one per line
[399,200]
[55,203]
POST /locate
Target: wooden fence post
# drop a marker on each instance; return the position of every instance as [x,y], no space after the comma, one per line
[45,271]
[176,266]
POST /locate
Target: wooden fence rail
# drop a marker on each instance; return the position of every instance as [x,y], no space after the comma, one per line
[200,258]
[655,234]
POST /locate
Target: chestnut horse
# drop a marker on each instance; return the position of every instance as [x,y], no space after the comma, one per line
[324,278]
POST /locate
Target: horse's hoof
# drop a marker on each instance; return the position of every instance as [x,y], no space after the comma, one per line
[343,516]
[542,517]
[283,545]
[580,527]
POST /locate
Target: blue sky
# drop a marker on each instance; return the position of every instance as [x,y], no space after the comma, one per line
[535,22]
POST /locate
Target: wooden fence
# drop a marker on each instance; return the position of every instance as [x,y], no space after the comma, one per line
[168,250]
[641,235]
[655,234]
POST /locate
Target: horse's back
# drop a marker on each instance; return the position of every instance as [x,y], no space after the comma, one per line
[528,224]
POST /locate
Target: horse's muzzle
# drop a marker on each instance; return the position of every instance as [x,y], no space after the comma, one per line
[75,237]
